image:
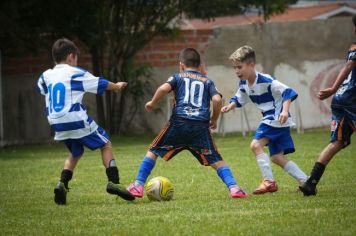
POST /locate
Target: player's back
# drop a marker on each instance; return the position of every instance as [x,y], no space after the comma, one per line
[346,94]
[193,92]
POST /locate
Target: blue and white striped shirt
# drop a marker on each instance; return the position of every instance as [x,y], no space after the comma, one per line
[64,87]
[268,94]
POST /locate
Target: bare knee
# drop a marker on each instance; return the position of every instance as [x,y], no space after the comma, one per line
[279,160]
[218,164]
[256,147]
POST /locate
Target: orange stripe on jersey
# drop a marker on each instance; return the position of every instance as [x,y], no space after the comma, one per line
[159,136]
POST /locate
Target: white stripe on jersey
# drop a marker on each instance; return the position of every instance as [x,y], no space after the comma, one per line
[64,86]
[268,95]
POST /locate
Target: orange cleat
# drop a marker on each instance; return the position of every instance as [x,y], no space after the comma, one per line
[266,186]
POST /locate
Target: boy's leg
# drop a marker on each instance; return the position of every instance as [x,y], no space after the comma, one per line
[112,172]
[225,174]
[309,187]
[290,167]
[60,191]
[268,184]
[147,164]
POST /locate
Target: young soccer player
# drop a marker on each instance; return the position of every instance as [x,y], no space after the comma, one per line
[343,124]
[64,87]
[273,99]
[190,124]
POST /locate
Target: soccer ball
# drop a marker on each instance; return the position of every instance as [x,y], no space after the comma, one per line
[159,189]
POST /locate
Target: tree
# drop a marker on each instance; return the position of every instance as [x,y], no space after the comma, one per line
[119,27]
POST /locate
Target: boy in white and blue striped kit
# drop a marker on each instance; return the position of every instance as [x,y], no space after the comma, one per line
[273,99]
[64,87]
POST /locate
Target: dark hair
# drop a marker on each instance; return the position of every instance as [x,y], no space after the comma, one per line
[354,20]
[62,48]
[190,57]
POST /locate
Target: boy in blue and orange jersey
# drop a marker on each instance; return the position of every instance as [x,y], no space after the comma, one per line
[190,124]
[273,99]
[343,124]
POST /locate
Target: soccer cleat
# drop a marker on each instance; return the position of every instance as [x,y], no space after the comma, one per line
[308,189]
[118,190]
[60,194]
[236,192]
[266,186]
[136,191]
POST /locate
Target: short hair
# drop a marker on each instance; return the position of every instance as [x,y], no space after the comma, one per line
[190,57]
[244,54]
[354,20]
[62,48]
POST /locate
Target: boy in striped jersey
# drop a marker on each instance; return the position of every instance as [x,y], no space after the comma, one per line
[64,87]
[273,99]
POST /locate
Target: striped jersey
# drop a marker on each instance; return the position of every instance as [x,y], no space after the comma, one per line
[64,87]
[268,94]
[346,94]
[193,92]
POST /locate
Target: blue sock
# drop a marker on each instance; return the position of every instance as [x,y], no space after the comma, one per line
[145,170]
[226,176]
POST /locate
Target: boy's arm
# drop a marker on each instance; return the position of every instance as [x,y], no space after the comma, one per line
[229,107]
[345,71]
[283,116]
[216,99]
[159,94]
[116,86]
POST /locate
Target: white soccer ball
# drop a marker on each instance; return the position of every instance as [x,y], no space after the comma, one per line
[159,189]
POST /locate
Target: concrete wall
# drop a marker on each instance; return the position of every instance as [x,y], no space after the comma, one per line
[305,55]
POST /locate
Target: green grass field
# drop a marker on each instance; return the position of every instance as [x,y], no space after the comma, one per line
[201,205]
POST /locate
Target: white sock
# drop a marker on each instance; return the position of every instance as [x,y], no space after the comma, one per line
[292,169]
[264,163]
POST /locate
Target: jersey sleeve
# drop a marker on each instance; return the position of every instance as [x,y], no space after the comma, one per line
[280,89]
[41,86]
[85,81]
[172,81]
[212,89]
[240,98]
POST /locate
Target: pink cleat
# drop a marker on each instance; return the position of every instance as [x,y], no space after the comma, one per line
[236,192]
[136,191]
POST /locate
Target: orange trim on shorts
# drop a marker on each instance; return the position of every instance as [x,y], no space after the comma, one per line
[339,132]
[169,154]
[160,134]
[202,158]
[215,147]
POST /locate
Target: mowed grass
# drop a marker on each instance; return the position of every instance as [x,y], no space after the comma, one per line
[201,205]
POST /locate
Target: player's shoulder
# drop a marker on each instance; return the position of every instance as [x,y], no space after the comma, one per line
[353,47]
[264,78]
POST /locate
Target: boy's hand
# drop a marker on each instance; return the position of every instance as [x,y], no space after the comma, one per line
[283,117]
[120,86]
[325,93]
[149,106]
[213,124]
[225,109]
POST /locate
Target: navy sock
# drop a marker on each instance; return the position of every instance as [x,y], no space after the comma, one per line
[316,173]
[145,170]
[66,176]
[226,176]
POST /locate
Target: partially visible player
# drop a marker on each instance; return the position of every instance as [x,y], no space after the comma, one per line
[273,99]
[64,87]
[188,127]
[343,124]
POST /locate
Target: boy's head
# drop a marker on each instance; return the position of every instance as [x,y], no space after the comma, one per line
[244,61]
[189,58]
[64,50]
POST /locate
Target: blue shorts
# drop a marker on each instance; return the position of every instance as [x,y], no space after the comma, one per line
[280,139]
[95,140]
[179,135]
[343,124]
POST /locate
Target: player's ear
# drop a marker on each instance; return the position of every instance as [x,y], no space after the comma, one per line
[181,67]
